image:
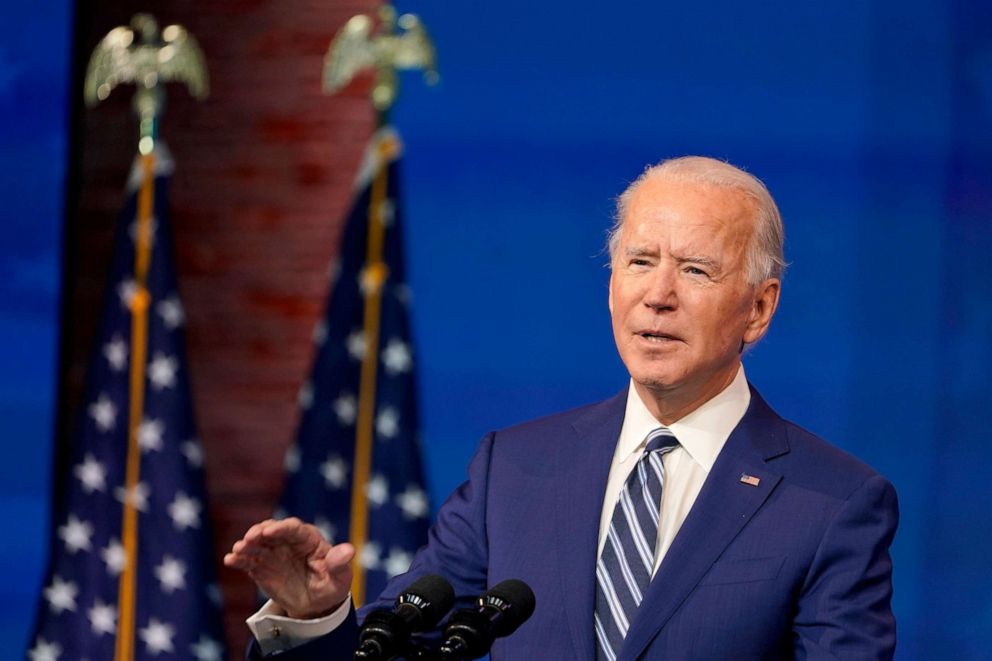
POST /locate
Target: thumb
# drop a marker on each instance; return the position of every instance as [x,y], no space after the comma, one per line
[338,558]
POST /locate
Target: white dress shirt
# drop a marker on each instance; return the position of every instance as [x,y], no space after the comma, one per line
[701,436]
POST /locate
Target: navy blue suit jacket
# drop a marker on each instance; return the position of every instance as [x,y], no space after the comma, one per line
[795,567]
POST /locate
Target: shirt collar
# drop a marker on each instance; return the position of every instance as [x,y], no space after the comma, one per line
[702,433]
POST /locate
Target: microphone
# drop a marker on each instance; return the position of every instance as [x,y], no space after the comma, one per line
[420,607]
[470,632]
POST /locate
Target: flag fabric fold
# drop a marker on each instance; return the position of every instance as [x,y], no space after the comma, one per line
[363,376]
[176,598]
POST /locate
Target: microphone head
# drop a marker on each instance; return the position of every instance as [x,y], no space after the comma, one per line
[515,600]
[432,595]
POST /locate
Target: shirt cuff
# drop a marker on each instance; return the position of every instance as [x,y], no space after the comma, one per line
[277,632]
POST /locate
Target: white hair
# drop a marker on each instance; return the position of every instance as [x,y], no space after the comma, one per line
[765,256]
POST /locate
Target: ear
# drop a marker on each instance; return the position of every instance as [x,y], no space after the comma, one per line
[609,299]
[762,309]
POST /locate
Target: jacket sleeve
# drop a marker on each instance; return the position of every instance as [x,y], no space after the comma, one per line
[844,609]
[457,544]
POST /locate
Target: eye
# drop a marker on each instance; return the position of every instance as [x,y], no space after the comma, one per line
[639,263]
[695,270]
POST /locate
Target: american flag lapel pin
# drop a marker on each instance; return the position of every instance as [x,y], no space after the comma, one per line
[750,479]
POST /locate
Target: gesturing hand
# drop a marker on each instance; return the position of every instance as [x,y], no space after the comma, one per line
[295,566]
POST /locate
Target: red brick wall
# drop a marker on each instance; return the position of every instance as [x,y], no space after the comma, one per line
[263,176]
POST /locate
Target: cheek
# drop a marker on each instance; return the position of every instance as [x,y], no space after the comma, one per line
[620,302]
[727,322]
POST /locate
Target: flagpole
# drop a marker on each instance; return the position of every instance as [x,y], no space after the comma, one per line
[147,103]
[140,301]
[373,280]
[133,55]
[389,50]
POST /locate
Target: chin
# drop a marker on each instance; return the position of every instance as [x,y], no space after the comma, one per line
[656,381]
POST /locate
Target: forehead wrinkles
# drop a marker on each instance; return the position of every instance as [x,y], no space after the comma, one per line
[688,215]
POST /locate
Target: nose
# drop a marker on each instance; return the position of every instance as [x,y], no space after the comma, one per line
[661,291]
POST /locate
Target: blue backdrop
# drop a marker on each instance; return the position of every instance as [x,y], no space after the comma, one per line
[868,121]
[34,86]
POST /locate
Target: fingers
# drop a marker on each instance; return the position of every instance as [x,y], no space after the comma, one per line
[291,536]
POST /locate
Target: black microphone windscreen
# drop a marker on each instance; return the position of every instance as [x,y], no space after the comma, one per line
[515,598]
[432,594]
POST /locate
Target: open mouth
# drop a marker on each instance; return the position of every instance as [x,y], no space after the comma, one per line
[660,338]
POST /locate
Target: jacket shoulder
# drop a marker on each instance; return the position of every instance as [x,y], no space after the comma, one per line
[823,466]
[803,455]
[554,424]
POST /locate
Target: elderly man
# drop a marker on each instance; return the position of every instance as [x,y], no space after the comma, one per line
[681,519]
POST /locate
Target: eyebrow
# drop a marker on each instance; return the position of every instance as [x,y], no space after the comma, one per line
[639,252]
[702,260]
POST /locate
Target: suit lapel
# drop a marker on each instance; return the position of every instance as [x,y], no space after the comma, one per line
[585,460]
[724,506]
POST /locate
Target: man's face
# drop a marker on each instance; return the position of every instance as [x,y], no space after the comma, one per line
[679,295]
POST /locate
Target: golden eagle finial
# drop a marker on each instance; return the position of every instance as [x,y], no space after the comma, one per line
[355,48]
[141,55]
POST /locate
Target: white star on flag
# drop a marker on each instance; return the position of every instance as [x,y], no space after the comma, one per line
[157,636]
[305,398]
[126,291]
[162,371]
[171,574]
[377,490]
[76,534]
[335,472]
[320,332]
[138,497]
[185,511]
[325,527]
[45,651]
[171,312]
[368,557]
[132,230]
[387,422]
[291,462]
[206,649]
[61,595]
[114,557]
[91,474]
[396,357]
[150,433]
[193,452]
[356,345]
[104,413]
[115,352]
[397,562]
[346,408]
[413,502]
[103,618]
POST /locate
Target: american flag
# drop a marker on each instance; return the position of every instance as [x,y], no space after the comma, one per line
[321,465]
[177,613]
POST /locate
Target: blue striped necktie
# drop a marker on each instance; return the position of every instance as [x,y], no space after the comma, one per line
[626,564]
